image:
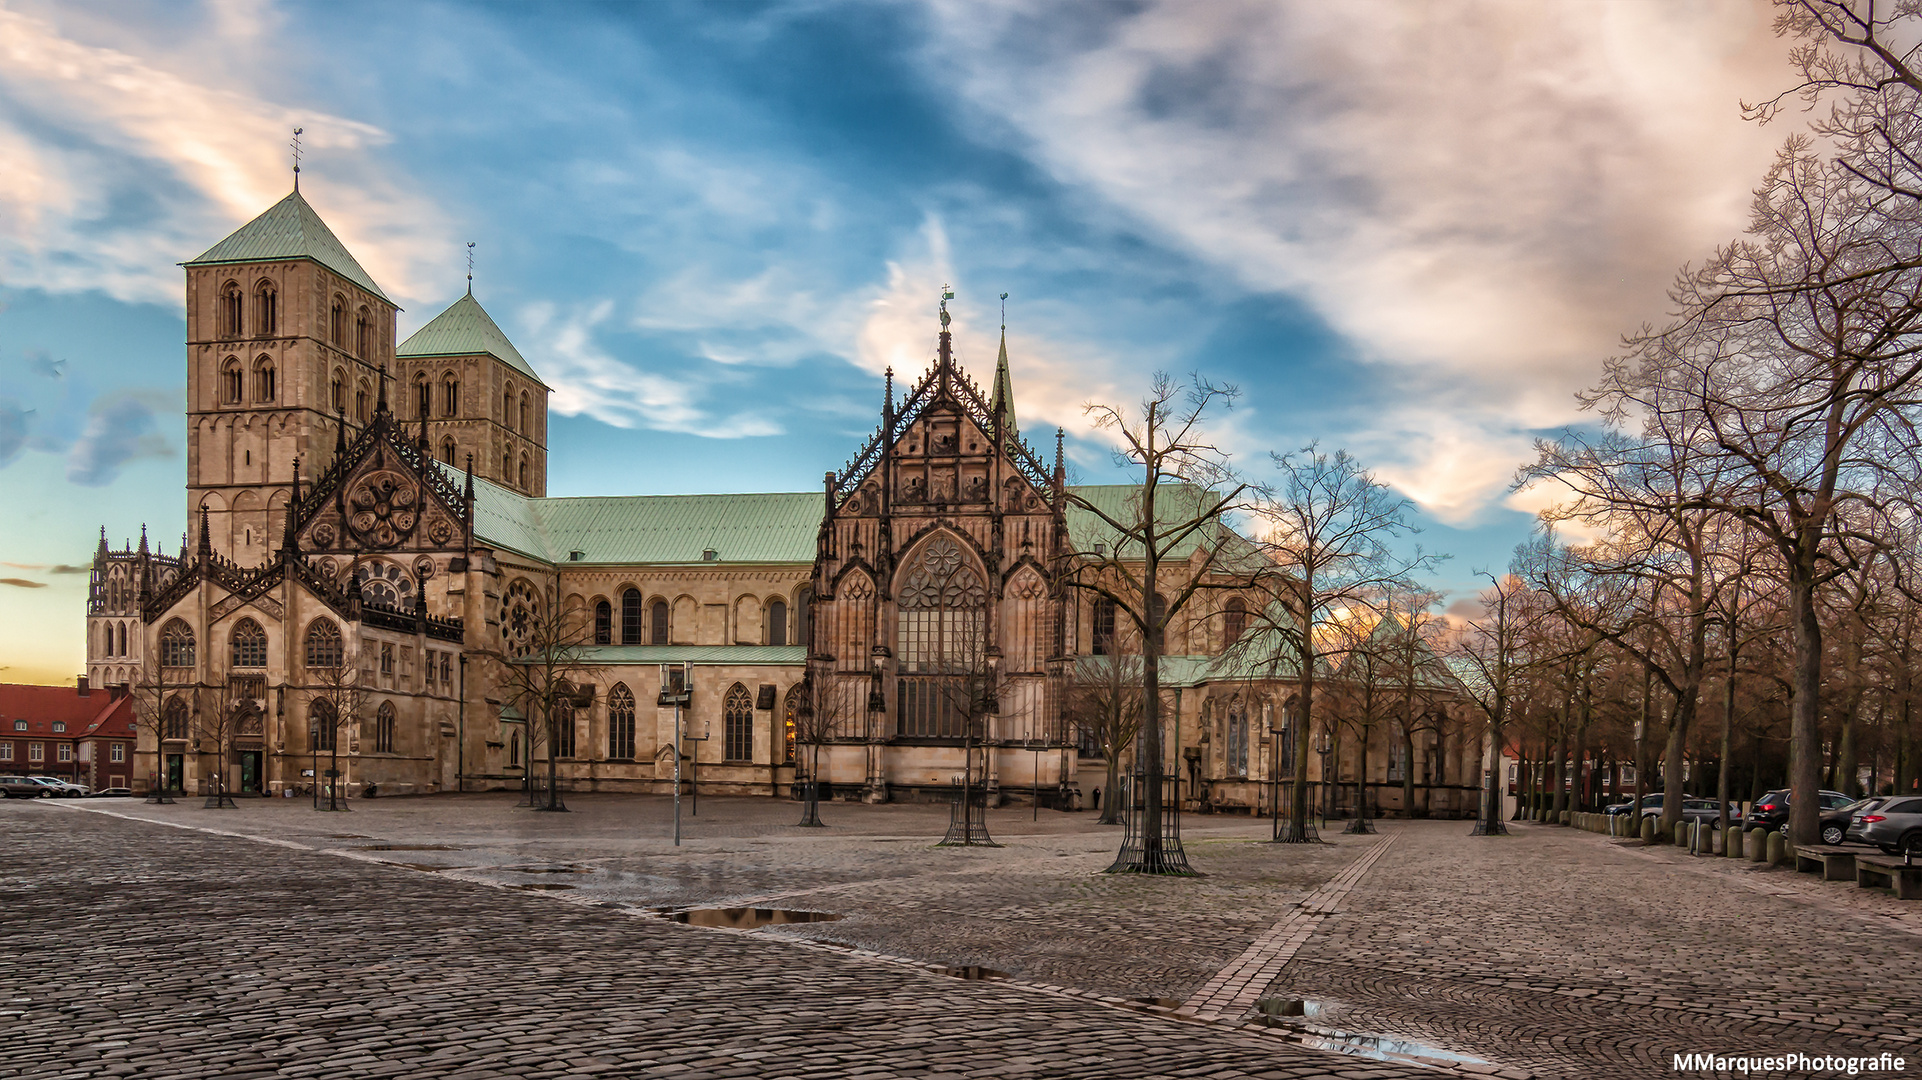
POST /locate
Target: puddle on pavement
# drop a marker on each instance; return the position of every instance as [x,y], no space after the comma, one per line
[1291,1014]
[973,973]
[1159,1003]
[546,870]
[347,836]
[743,918]
[411,847]
[427,868]
[542,886]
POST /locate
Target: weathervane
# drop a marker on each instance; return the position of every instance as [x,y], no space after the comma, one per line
[296,146]
[470,268]
[947,294]
[1004,311]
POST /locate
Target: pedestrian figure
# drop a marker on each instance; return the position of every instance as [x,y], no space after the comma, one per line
[1097,800]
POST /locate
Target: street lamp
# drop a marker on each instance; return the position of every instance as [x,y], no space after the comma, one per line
[1325,745]
[677,690]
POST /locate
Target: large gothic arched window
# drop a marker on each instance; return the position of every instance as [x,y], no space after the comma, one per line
[737,713]
[384,728]
[249,645]
[323,644]
[176,645]
[620,722]
[942,640]
[173,718]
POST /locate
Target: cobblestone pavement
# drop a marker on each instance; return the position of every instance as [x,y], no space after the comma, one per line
[1551,952]
[1585,957]
[129,949]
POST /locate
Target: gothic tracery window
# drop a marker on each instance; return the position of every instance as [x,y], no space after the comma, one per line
[323,644]
[249,645]
[1103,629]
[1234,621]
[941,643]
[737,714]
[173,718]
[176,645]
[520,609]
[620,722]
[323,722]
[384,728]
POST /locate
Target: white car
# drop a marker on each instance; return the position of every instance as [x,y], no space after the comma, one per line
[62,789]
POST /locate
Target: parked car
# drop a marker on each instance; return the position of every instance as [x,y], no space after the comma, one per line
[1710,811]
[63,789]
[1835,823]
[1771,811]
[114,793]
[20,787]
[1651,805]
[1895,827]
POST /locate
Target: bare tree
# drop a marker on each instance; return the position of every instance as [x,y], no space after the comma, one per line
[1326,526]
[151,692]
[338,699]
[1106,707]
[546,674]
[220,713]
[1176,517]
[1494,664]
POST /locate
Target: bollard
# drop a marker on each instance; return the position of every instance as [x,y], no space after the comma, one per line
[1778,849]
[1681,834]
[1567,818]
[1648,830]
[1757,844]
[1732,844]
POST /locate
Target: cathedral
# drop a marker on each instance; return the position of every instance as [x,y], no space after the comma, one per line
[373,562]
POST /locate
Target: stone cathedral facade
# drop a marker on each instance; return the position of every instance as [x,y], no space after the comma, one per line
[376,512]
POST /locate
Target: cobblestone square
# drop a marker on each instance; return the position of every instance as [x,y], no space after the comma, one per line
[461,936]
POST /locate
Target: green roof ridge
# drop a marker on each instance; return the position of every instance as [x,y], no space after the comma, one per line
[290,229]
[465,329]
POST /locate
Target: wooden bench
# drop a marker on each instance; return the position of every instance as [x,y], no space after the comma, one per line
[1905,879]
[1832,865]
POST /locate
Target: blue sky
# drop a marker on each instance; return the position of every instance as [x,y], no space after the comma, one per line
[1408,229]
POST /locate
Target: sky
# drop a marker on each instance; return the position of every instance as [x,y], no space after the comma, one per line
[1409,229]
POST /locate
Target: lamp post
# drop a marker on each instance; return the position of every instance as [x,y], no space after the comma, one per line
[677,690]
[1275,735]
[694,770]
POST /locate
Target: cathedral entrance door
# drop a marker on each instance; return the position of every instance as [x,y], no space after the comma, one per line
[176,772]
[250,772]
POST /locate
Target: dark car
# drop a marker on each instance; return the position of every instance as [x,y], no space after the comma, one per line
[1771,811]
[1710,811]
[1835,823]
[1651,805]
[113,793]
[19,787]
[1895,827]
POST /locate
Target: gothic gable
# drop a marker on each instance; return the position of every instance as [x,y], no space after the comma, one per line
[383,494]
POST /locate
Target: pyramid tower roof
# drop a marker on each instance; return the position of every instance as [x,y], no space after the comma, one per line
[290,229]
[465,329]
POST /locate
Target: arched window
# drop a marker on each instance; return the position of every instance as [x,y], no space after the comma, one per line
[423,396]
[449,395]
[563,730]
[524,428]
[231,306]
[790,723]
[264,388]
[777,622]
[232,386]
[337,392]
[360,403]
[384,728]
[176,645]
[658,619]
[1236,751]
[941,641]
[323,723]
[507,408]
[603,623]
[337,323]
[447,450]
[514,750]
[123,640]
[804,605]
[266,309]
[1234,621]
[525,474]
[363,334]
[173,718]
[620,723]
[249,645]
[323,644]
[737,713]
[633,630]
[1103,635]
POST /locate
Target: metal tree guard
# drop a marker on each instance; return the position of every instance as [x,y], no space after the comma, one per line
[968,818]
[1135,856]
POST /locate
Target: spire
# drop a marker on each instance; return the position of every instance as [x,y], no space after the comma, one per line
[380,404]
[290,539]
[143,539]
[340,432]
[103,539]
[470,268]
[206,536]
[296,146]
[887,414]
[947,340]
[1002,407]
[468,491]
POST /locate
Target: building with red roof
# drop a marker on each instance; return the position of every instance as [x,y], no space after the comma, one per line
[73,732]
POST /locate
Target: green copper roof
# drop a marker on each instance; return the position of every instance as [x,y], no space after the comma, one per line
[289,230]
[1174,503]
[465,329]
[636,529]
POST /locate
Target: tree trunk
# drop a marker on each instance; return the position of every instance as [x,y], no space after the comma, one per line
[1805,706]
[1407,772]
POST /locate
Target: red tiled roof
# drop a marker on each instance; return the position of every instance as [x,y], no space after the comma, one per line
[99,713]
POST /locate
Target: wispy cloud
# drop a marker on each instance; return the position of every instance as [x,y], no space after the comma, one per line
[1485,228]
[121,430]
[14,420]
[22,583]
[158,157]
